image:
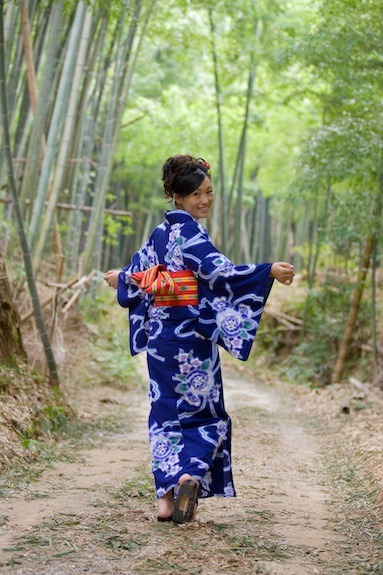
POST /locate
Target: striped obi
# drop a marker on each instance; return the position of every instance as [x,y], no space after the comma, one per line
[169,288]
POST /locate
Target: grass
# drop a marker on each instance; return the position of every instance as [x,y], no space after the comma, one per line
[357,515]
[77,435]
[140,488]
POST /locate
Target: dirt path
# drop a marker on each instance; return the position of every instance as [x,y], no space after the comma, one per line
[95,514]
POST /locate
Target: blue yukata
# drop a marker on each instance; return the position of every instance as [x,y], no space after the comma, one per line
[189,429]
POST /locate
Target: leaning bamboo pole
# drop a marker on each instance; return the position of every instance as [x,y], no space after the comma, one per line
[72,207]
[51,363]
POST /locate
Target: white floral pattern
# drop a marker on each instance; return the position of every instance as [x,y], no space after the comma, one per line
[234,324]
[173,253]
[148,256]
[196,381]
[165,447]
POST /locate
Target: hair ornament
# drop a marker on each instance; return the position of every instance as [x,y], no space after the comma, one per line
[204,163]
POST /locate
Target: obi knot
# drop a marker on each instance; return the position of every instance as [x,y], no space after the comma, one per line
[157,281]
[178,288]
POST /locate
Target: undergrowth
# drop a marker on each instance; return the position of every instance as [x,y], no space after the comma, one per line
[34,416]
[308,355]
[107,341]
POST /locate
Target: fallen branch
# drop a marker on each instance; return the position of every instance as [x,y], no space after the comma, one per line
[290,318]
[49,299]
[366,347]
[82,282]
[73,283]
[292,323]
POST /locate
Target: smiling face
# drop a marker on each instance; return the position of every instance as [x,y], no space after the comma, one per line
[199,202]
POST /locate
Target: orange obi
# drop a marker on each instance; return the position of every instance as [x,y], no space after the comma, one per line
[169,288]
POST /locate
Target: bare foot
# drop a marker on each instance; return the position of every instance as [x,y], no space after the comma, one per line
[165,506]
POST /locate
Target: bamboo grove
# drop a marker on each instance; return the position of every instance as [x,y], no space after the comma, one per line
[284,99]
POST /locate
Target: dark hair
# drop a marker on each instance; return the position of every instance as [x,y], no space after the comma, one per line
[182,174]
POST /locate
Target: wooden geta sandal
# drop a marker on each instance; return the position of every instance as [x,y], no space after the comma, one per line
[186,500]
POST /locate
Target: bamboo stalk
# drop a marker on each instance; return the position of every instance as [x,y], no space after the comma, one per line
[240,165]
[222,197]
[29,59]
[84,20]
[36,149]
[51,363]
[59,111]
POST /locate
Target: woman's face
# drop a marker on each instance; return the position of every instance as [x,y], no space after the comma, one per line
[199,202]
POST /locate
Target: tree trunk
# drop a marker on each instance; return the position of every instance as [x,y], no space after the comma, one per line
[11,344]
[355,301]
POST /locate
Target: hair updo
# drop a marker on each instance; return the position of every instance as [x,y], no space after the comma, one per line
[183,174]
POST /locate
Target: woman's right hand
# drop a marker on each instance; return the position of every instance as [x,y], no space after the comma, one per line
[283,272]
[111,278]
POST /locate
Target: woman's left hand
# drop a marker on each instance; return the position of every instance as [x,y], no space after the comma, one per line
[111,278]
[283,272]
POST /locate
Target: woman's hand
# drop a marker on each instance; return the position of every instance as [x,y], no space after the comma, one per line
[282,272]
[111,278]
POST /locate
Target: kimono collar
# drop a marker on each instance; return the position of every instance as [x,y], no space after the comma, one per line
[178,217]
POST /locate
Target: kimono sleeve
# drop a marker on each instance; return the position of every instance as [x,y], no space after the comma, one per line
[231,298]
[131,296]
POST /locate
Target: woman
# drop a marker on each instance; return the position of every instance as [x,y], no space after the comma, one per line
[184,298]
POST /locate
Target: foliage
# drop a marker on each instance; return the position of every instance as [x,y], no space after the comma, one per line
[313,358]
[107,341]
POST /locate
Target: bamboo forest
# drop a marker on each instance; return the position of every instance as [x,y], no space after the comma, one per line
[281,103]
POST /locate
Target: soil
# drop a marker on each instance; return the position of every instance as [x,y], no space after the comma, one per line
[304,504]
